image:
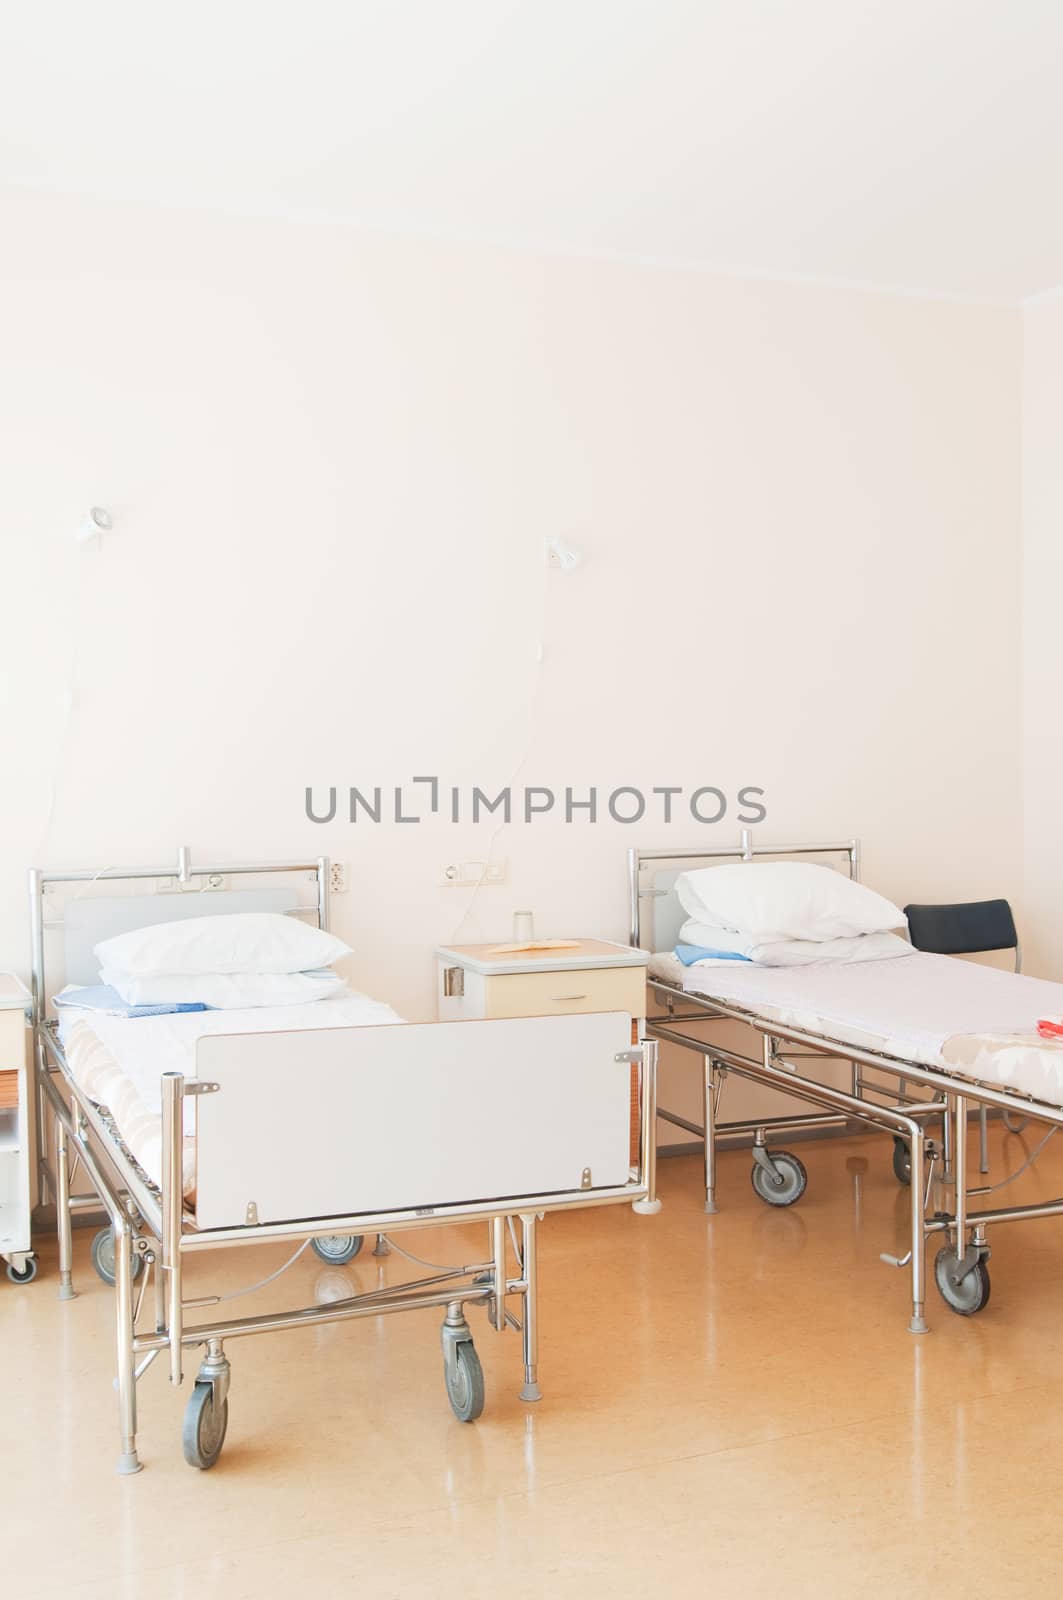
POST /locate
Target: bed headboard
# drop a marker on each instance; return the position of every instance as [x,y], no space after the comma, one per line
[655,913]
[87,916]
[87,921]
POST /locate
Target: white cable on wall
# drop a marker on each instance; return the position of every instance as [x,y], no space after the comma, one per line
[541,653]
[88,535]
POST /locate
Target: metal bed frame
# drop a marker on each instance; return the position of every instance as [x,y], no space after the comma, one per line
[960,1269]
[150,1225]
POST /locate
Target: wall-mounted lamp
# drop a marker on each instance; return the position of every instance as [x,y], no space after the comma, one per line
[96,523]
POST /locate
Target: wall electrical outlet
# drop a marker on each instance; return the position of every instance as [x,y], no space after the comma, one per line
[337,877]
[471,874]
[197,884]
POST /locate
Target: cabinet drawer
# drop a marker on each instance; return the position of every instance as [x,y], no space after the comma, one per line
[544,994]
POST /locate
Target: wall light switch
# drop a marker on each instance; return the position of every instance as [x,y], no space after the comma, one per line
[470,874]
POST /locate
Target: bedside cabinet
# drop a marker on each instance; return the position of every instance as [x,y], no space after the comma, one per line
[594,975]
[15,1246]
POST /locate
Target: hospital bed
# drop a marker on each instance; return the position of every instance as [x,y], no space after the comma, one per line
[924,1038]
[197,1132]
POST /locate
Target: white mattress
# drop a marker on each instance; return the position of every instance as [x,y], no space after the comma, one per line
[937,1010]
[118,1061]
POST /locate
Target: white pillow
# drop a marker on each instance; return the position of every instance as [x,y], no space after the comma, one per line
[245,941]
[795,952]
[707,937]
[226,991]
[774,900]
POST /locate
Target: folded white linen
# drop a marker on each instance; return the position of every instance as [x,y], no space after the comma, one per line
[793,952]
[706,937]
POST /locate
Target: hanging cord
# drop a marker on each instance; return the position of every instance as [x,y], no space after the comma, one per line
[252,1288]
[234,1294]
[83,589]
[991,1188]
[529,715]
[79,893]
[436,1266]
[84,888]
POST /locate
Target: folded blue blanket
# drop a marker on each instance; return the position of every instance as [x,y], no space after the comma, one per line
[101,997]
[689,953]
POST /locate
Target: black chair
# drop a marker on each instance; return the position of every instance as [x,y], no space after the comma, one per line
[970,928]
[964,930]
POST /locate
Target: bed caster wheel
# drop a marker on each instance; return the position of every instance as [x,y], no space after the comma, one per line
[781,1180]
[337,1248]
[902,1161]
[963,1287]
[464,1378]
[24,1274]
[204,1428]
[103,1257]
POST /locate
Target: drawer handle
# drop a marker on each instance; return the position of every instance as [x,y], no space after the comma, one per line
[568,997]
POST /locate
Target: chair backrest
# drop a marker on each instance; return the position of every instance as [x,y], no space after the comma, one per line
[964,929]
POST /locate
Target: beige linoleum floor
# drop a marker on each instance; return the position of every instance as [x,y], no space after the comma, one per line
[733,1408]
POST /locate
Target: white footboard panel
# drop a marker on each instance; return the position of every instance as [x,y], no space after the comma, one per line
[336,1121]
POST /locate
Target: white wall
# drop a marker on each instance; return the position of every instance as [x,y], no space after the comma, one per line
[334,457]
[1043,664]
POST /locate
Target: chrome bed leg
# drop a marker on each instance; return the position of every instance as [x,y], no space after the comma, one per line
[648,1130]
[160,1293]
[961,1175]
[62,1213]
[960,1269]
[127,1384]
[530,1328]
[496,1308]
[946,1139]
[173,1122]
[983,1139]
[709,1124]
[381,1248]
[918,1323]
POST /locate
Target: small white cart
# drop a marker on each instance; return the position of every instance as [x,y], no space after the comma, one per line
[15,1245]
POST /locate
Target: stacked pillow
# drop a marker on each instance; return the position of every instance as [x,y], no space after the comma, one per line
[785,913]
[256,958]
